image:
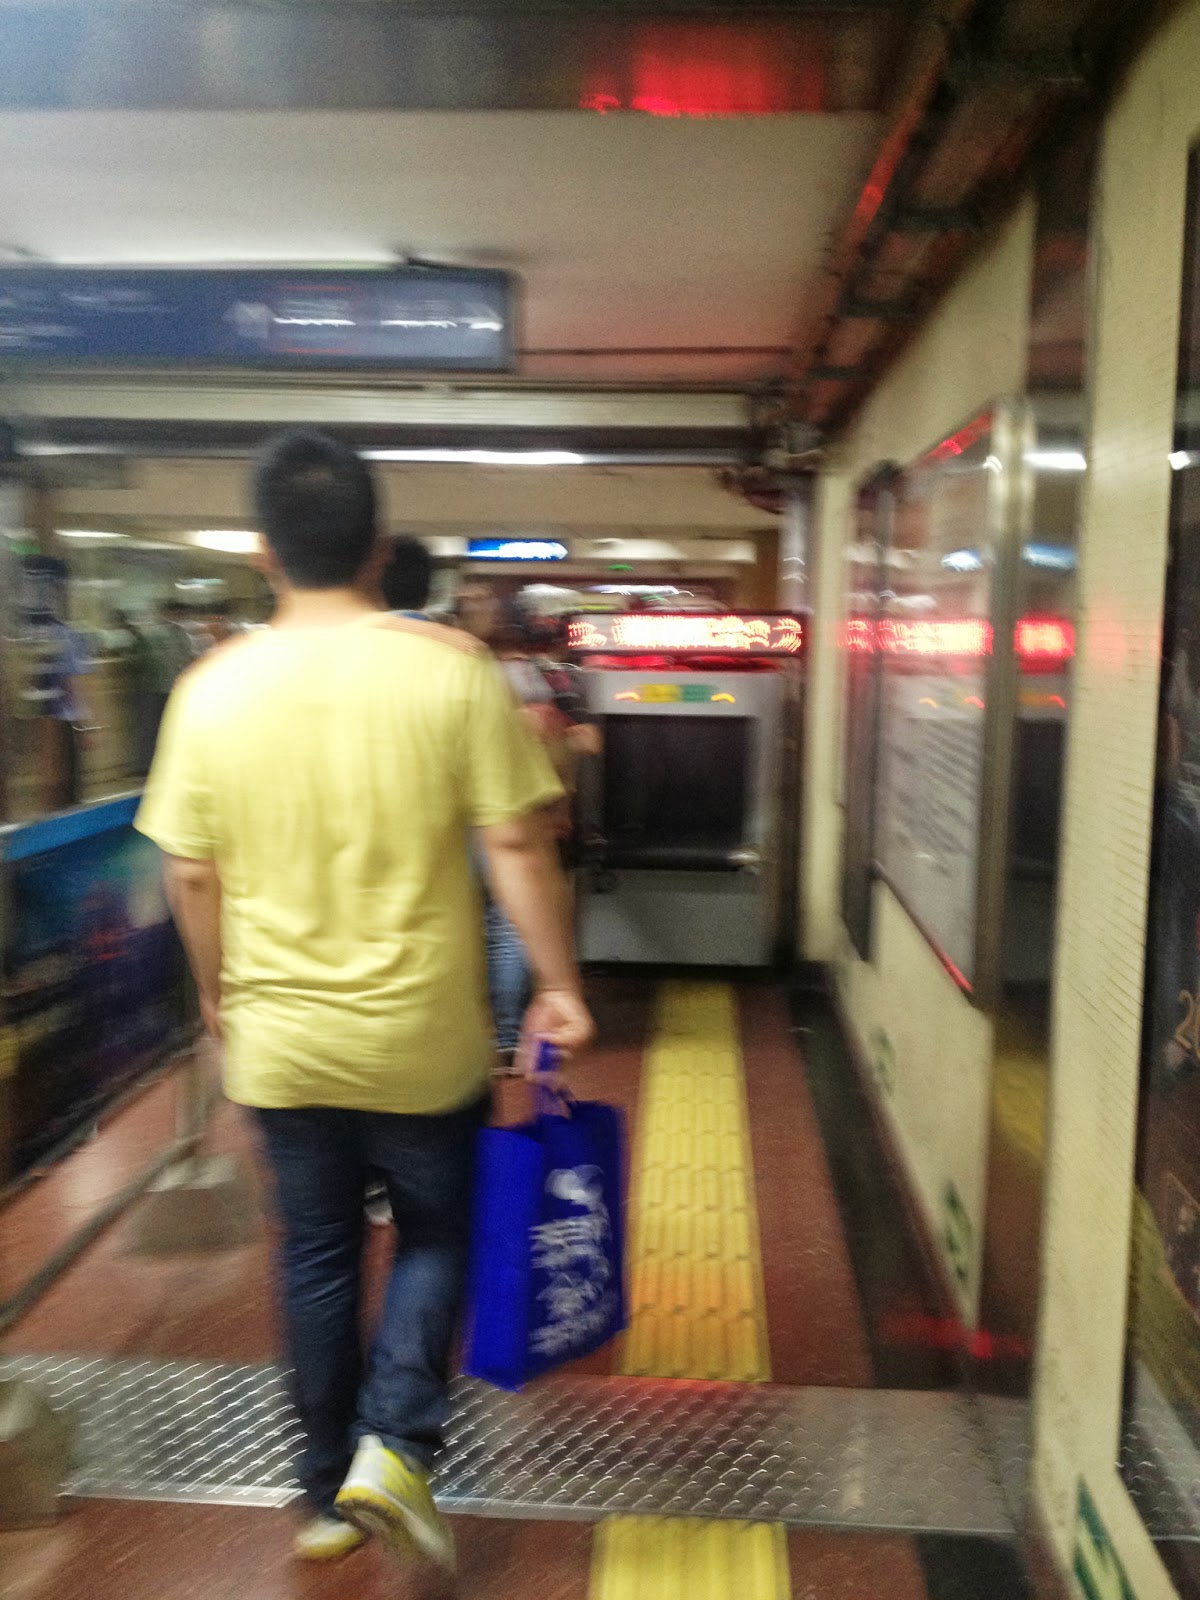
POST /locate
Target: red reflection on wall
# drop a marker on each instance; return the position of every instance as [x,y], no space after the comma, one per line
[966,436]
[1044,641]
[945,1333]
[1042,644]
[966,636]
[858,636]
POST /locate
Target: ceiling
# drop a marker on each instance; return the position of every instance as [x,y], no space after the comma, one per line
[649,249]
[762,198]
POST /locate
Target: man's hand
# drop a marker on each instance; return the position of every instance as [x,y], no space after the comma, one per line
[210,1015]
[559,1016]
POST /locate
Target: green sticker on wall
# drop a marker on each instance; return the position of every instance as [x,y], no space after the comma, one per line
[1096,1564]
[958,1234]
[883,1061]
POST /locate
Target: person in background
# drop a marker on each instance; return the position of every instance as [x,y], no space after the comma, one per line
[407,577]
[314,791]
[55,657]
[164,649]
[506,630]
[479,611]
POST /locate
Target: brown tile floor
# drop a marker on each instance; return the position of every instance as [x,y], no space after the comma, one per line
[109,1550]
[218,1306]
[121,1551]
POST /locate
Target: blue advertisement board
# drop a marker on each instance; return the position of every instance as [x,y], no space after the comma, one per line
[92,970]
[425,319]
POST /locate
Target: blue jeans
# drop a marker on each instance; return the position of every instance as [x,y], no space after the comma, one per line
[510,986]
[321,1159]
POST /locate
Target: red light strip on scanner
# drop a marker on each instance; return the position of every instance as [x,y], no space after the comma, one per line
[726,634]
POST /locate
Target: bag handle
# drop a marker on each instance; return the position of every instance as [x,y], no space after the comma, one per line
[548,1059]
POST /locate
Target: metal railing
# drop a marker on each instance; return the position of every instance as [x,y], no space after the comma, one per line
[195,1096]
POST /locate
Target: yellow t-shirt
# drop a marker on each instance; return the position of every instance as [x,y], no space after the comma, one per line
[333,775]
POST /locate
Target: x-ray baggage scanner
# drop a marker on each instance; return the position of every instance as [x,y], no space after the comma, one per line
[689,819]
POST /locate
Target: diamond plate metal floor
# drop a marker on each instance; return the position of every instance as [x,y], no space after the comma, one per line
[582,1448]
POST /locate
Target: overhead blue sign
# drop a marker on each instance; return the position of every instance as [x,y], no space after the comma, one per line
[516,550]
[418,318]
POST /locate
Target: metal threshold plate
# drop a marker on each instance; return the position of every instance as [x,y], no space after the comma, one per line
[570,1448]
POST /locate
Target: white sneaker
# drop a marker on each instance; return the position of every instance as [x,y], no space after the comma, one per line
[383,1495]
[327,1538]
[379,1207]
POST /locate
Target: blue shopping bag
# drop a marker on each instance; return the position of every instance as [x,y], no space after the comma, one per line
[547,1271]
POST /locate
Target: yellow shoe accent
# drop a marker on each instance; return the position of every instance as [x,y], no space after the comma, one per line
[327,1539]
[383,1495]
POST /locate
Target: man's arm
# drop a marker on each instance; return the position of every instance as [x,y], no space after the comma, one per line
[526,879]
[194,895]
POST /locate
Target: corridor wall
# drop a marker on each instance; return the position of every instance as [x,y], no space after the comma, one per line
[929,1048]
[1108,804]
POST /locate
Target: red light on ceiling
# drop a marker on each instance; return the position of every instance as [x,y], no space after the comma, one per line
[1046,640]
[970,636]
[700,69]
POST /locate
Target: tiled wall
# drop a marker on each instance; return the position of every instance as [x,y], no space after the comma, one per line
[1107,816]
[933,1048]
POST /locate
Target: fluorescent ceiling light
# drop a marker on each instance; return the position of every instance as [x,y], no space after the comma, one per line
[963,561]
[88,533]
[1183,458]
[1057,557]
[483,458]
[231,541]
[1057,460]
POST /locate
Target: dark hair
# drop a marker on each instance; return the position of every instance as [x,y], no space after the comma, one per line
[408,575]
[316,509]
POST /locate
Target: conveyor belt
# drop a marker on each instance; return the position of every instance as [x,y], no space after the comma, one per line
[581,1449]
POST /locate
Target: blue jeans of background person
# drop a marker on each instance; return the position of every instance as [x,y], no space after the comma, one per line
[321,1159]
[510,985]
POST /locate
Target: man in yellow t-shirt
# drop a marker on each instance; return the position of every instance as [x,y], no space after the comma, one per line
[313,790]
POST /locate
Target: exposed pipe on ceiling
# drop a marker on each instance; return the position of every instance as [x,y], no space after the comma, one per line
[976,100]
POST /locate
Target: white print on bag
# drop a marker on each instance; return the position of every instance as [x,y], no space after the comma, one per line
[579,1299]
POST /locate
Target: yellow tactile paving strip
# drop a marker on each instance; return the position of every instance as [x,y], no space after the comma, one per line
[697,1307]
[695,1271]
[665,1558]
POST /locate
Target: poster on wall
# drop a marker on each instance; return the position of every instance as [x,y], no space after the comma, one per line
[1162,1425]
[91,970]
[934,643]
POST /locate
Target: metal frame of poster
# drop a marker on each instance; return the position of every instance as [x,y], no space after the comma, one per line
[948,692]
[1160,1455]
[874,511]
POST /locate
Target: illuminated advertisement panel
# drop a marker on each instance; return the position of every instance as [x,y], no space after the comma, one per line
[453,319]
[516,550]
[655,632]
